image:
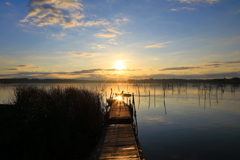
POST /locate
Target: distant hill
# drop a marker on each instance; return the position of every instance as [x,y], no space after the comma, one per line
[26,80]
[149,80]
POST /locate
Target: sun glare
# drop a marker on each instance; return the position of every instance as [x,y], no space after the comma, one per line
[119,98]
[119,64]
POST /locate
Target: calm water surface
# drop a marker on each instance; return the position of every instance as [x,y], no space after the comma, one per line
[190,122]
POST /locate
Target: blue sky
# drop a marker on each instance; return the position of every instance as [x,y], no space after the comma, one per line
[148,38]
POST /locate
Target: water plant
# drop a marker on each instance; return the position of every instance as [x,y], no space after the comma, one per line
[55,123]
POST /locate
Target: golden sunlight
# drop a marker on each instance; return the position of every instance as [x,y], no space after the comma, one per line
[119,64]
[119,98]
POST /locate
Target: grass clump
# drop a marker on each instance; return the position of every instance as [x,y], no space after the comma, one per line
[55,123]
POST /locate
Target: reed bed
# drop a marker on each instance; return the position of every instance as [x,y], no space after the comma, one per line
[55,123]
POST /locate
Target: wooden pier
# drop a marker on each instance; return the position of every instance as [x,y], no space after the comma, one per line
[119,113]
[119,138]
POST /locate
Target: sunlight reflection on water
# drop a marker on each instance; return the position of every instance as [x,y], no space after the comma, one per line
[184,123]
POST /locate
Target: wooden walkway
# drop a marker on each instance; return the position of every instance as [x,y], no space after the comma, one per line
[118,140]
[119,113]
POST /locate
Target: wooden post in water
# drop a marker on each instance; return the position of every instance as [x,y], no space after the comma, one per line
[133,101]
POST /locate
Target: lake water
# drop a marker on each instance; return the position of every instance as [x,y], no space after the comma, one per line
[190,122]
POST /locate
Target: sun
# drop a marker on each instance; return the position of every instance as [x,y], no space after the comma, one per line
[119,64]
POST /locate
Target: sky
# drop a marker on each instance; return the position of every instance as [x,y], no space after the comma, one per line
[119,39]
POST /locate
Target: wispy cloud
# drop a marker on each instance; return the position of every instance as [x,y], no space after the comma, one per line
[112,41]
[227,55]
[226,62]
[12,69]
[158,45]
[118,21]
[24,65]
[96,23]
[81,54]
[193,75]
[19,67]
[112,30]
[65,13]
[88,73]
[7,3]
[108,33]
[20,25]
[194,1]
[183,8]
[36,67]
[212,64]
[98,46]
[105,35]
[179,68]
[233,63]
[58,35]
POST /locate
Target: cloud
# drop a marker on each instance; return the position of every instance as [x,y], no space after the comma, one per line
[98,46]
[12,69]
[234,61]
[96,74]
[213,65]
[159,45]
[191,76]
[20,25]
[19,67]
[227,55]
[112,31]
[65,13]
[74,53]
[99,70]
[80,54]
[97,23]
[194,1]
[108,33]
[88,73]
[7,3]
[118,21]
[179,68]
[61,4]
[23,65]
[76,15]
[226,62]
[202,66]
[58,35]
[36,67]
[112,41]
[77,54]
[72,23]
[105,35]
[183,8]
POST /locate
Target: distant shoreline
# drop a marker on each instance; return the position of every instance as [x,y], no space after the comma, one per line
[234,80]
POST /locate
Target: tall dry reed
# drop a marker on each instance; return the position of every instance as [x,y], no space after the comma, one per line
[55,123]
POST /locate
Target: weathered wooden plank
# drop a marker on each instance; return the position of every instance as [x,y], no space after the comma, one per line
[117,142]
[119,114]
